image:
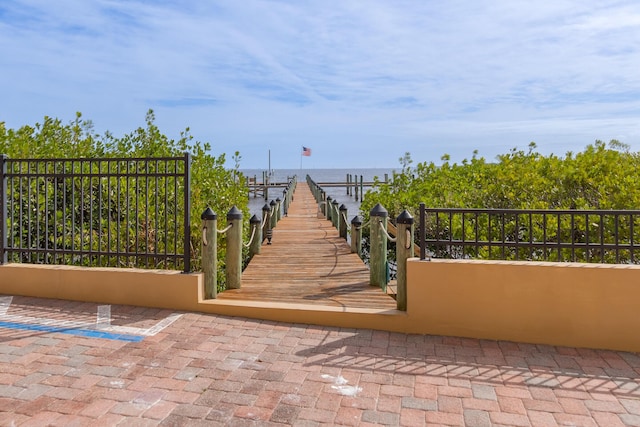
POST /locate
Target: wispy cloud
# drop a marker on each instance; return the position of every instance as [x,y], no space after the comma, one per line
[420,76]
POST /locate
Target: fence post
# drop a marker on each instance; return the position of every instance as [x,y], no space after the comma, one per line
[256,231]
[356,235]
[404,251]
[233,258]
[4,200]
[266,216]
[343,222]
[378,251]
[335,214]
[210,253]
[328,208]
[187,213]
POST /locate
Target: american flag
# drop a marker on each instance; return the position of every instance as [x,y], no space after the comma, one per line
[306,151]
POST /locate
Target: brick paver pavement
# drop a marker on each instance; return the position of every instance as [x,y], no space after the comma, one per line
[214,370]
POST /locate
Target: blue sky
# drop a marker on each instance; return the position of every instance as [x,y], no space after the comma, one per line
[359,82]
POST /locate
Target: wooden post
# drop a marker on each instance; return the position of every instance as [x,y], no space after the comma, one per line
[327,206]
[274,214]
[278,209]
[233,258]
[256,230]
[342,229]
[355,185]
[335,215]
[361,189]
[378,251]
[347,184]
[404,251]
[285,203]
[323,203]
[356,235]
[210,253]
[266,229]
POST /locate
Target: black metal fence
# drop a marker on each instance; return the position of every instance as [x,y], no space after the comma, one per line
[120,212]
[601,236]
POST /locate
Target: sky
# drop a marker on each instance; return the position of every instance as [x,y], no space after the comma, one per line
[358,82]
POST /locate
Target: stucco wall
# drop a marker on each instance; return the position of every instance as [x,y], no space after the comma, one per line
[148,288]
[581,305]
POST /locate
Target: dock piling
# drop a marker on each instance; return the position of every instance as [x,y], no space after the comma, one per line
[378,252]
[404,251]
[233,256]
[209,253]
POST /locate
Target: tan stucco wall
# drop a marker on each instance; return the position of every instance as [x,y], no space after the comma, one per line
[148,288]
[580,305]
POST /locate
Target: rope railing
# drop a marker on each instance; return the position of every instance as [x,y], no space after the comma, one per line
[378,263]
[235,244]
[224,230]
[366,224]
[253,235]
[344,218]
[386,233]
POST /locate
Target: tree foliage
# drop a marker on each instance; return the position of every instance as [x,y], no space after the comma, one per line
[601,177]
[212,183]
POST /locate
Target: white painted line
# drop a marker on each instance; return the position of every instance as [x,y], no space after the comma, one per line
[47,322]
[5,302]
[103,321]
[163,324]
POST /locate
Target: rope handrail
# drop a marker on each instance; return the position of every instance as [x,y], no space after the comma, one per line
[253,234]
[264,221]
[391,239]
[226,229]
[344,218]
[204,233]
[366,224]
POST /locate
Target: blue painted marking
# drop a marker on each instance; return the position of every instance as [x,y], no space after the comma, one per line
[89,333]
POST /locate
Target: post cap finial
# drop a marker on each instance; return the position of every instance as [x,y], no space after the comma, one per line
[379,210]
[208,214]
[404,218]
[234,213]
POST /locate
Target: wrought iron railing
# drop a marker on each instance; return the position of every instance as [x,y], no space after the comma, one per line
[601,236]
[125,212]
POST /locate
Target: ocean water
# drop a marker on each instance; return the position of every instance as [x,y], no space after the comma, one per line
[319,176]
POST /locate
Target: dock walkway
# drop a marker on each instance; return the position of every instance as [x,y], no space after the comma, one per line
[308,263]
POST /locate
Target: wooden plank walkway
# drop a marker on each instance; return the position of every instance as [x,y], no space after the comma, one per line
[308,263]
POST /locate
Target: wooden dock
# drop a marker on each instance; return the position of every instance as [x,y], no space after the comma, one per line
[308,263]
